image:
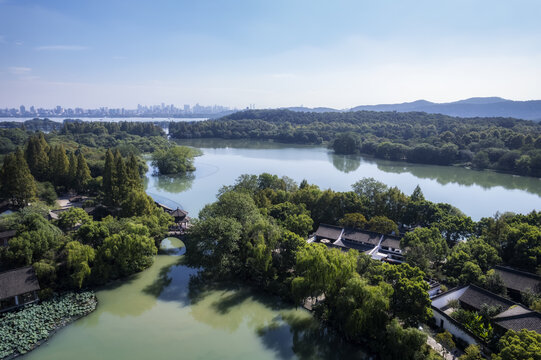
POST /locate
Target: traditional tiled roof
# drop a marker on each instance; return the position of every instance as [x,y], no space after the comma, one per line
[179,213]
[165,207]
[328,232]
[519,280]
[53,215]
[391,242]
[353,245]
[17,282]
[7,234]
[518,318]
[362,236]
[476,297]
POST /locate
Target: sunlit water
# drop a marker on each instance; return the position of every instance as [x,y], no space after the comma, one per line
[476,193]
[154,315]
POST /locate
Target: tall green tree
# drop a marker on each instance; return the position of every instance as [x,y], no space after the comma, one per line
[133,177]
[121,179]
[410,300]
[72,171]
[59,165]
[425,248]
[37,158]
[17,182]
[382,225]
[109,174]
[83,173]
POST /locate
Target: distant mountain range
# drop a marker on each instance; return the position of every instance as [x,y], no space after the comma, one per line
[472,107]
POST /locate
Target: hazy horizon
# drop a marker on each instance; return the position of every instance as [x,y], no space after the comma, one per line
[271,54]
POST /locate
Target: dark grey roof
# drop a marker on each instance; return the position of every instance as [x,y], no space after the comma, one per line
[17,282]
[361,236]
[518,318]
[476,297]
[391,241]
[353,245]
[328,232]
[8,234]
[165,207]
[519,280]
[179,213]
[77,198]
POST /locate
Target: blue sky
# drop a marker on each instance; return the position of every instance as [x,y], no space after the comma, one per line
[270,53]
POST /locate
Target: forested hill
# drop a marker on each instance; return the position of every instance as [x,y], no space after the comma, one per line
[472,107]
[491,106]
[504,144]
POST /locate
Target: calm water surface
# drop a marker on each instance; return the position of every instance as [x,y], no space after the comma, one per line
[156,314]
[476,193]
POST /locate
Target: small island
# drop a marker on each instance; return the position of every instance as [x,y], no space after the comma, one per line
[174,160]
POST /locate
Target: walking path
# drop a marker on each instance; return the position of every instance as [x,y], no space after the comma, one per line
[439,349]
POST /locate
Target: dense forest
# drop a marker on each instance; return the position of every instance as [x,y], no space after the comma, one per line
[256,232]
[502,144]
[79,249]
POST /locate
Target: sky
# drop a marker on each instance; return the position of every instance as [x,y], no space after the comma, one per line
[273,53]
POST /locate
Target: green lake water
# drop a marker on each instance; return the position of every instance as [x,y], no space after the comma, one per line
[154,315]
[157,315]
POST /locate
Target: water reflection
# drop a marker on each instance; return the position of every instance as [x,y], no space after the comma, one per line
[174,183]
[145,288]
[345,163]
[238,144]
[172,280]
[293,336]
[172,246]
[450,174]
[289,334]
[227,308]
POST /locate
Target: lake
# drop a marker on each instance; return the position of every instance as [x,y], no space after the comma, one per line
[477,193]
[156,314]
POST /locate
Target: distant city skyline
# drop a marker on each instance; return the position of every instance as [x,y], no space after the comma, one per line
[272,53]
[139,110]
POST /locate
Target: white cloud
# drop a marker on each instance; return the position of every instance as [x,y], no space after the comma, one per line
[19,70]
[61,48]
[2,39]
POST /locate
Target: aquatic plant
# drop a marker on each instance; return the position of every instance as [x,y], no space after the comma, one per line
[22,330]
